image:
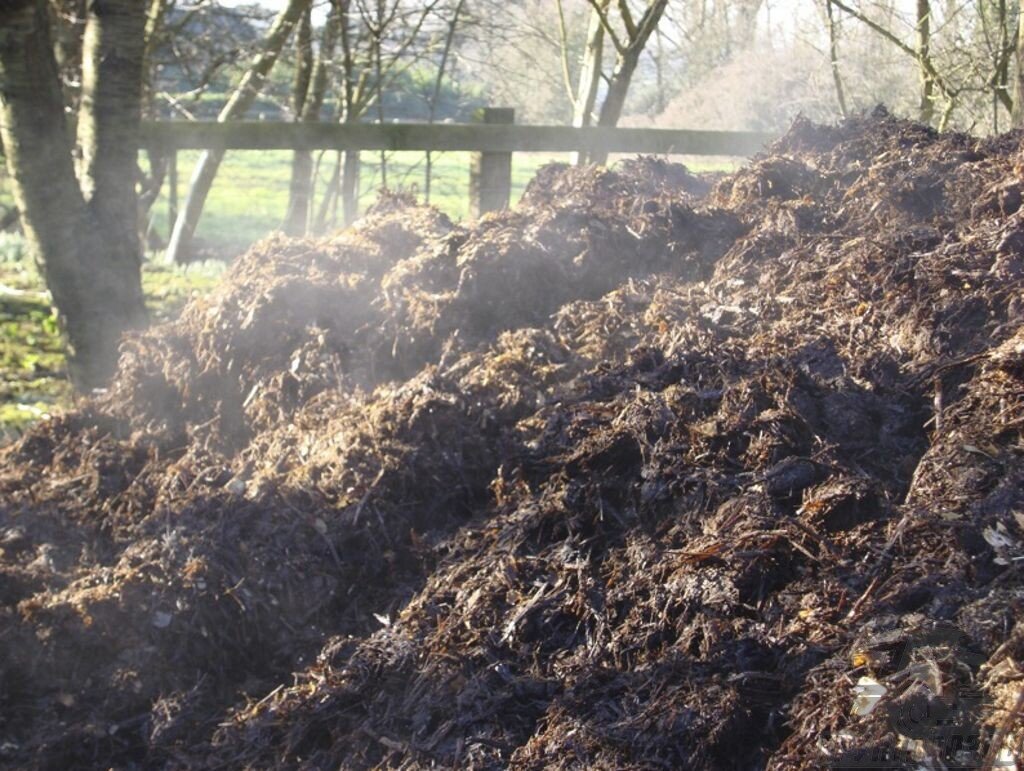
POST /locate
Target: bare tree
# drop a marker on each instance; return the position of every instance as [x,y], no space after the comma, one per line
[378,44]
[584,95]
[354,99]
[310,90]
[628,41]
[1001,45]
[1018,107]
[435,96]
[82,227]
[180,246]
[948,61]
[933,84]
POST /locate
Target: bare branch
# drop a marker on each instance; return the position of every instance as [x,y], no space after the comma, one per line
[600,8]
[926,63]
[564,50]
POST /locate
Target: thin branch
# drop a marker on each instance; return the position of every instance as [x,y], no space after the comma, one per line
[598,7]
[648,23]
[929,68]
[563,37]
[627,18]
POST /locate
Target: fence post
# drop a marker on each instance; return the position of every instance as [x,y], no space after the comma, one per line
[490,174]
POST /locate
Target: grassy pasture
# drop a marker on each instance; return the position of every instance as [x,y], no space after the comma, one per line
[250,196]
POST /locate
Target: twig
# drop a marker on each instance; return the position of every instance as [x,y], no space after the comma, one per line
[863,598]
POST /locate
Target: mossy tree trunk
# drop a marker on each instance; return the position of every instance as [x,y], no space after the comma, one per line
[82,228]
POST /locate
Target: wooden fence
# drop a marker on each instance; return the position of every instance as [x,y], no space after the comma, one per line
[492,141]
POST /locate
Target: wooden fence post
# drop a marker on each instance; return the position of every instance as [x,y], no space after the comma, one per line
[490,174]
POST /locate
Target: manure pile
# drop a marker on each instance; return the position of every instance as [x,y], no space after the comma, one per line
[649,472]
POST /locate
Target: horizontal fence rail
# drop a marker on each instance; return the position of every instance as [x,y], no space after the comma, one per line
[484,138]
[492,141]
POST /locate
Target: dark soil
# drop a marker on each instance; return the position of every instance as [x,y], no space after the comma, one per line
[645,473]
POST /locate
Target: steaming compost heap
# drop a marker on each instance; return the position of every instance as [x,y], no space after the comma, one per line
[650,472]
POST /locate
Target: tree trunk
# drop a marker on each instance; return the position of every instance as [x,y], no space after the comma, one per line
[436,94]
[154,29]
[350,187]
[590,77]
[352,106]
[618,90]
[303,63]
[659,73]
[300,191]
[833,55]
[108,122]
[377,33]
[180,247]
[329,195]
[1018,102]
[302,160]
[927,108]
[84,238]
[1001,77]
[625,65]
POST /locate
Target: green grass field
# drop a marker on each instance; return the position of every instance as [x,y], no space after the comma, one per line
[247,202]
[250,196]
